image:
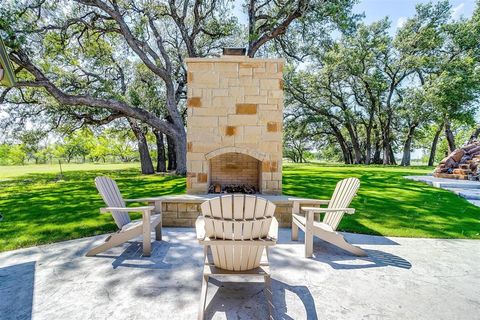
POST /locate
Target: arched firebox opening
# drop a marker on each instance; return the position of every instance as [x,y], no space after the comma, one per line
[235,172]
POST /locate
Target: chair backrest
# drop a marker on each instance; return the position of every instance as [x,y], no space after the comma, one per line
[343,195]
[239,218]
[112,197]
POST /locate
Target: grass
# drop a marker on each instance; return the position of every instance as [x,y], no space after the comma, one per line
[387,203]
[38,209]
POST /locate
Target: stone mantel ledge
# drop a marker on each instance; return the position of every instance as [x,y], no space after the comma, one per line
[198,198]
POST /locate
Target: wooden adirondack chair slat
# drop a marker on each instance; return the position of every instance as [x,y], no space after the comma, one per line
[238,201]
[227,209]
[249,207]
[260,207]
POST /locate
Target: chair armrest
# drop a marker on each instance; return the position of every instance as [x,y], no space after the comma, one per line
[325,210]
[273,232]
[132,209]
[200,228]
[309,201]
[297,202]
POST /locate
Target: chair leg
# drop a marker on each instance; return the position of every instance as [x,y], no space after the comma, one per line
[147,241]
[269,295]
[308,244]
[294,231]
[158,227]
[203,297]
[112,240]
[339,241]
[158,231]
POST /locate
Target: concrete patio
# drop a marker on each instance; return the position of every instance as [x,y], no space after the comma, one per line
[401,279]
[469,190]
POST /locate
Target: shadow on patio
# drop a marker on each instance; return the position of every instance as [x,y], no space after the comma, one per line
[324,252]
[16,291]
[238,300]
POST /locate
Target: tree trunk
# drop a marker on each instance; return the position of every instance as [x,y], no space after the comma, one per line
[171,154]
[341,141]
[161,160]
[407,146]
[386,152]
[386,145]
[450,137]
[376,156]
[177,148]
[386,132]
[368,145]
[180,153]
[145,159]
[433,149]
[355,144]
[392,155]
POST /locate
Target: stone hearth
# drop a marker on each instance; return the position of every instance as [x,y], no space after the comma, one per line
[234,123]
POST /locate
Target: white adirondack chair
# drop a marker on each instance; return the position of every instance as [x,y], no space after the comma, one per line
[344,192]
[236,231]
[127,229]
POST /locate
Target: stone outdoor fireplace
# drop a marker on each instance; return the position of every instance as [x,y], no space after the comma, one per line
[234,124]
[235,169]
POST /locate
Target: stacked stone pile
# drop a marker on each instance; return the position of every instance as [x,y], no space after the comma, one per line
[463,163]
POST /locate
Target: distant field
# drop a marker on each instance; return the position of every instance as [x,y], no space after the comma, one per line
[39,209]
[17,171]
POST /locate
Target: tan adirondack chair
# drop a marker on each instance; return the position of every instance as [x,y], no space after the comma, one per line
[236,231]
[344,192]
[127,229]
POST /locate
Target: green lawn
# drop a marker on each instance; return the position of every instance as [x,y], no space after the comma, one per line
[39,210]
[387,203]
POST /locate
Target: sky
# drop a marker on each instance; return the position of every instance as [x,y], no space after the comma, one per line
[400,10]
[397,10]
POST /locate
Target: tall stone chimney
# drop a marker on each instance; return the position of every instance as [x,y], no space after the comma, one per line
[234,123]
